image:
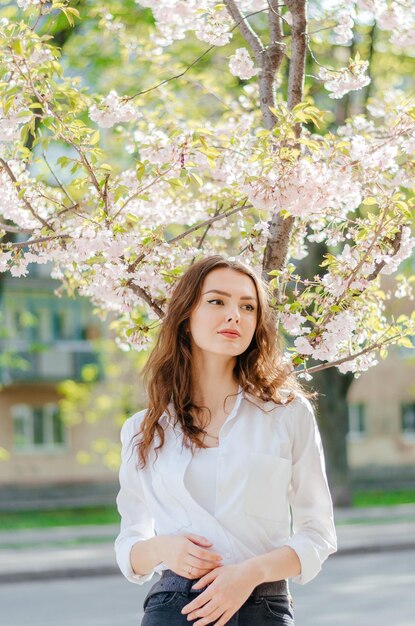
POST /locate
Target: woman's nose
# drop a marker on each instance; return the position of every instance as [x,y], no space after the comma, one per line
[233,315]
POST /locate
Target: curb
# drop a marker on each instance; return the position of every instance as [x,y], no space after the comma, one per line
[59,574]
[113,570]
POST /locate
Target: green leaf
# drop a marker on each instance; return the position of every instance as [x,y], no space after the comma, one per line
[197,178]
[94,138]
[405,342]
[401,319]
[175,183]
[369,200]
[17,46]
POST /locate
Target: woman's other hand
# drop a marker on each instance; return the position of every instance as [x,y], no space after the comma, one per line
[227,590]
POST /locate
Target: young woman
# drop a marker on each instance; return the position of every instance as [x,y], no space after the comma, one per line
[223,485]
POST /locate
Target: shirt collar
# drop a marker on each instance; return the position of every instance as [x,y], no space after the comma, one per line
[169,418]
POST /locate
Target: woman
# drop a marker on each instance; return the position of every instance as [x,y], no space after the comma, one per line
[223,486]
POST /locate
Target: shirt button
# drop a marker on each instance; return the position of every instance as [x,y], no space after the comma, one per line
[228,555]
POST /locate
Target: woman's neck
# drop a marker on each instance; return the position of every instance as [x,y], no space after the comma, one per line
[212,378]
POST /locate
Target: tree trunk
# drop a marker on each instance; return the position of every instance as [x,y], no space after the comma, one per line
[332,418]
[332,413]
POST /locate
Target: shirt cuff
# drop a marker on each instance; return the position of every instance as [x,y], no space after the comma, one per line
[124,563]
[310,558]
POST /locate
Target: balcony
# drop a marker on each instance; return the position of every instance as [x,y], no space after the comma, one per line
[63,359]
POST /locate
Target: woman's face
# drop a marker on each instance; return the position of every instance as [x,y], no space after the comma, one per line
[228,302]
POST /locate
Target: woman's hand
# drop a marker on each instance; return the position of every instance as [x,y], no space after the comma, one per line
[188,555]
[229,587]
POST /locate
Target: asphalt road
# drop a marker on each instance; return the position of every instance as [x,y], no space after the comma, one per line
[358,590]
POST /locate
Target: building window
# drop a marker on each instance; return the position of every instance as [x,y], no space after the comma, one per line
[357,419]
[61,325]
[408,418]
[37,428]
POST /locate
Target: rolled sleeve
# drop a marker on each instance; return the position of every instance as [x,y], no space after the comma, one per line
[313,531]
[137,523]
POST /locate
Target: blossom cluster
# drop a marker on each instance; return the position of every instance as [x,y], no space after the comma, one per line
[241,64]
[12,122]
[344,28]
[25,4]
[351,78]
[112,110]
[305,189]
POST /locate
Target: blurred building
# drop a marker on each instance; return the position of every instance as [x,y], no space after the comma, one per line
[382,413]
[44,339]
[382,405]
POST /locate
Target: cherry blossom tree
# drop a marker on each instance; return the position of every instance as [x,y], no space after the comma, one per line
[120,189]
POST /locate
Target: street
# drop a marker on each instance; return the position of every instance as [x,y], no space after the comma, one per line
[367,590]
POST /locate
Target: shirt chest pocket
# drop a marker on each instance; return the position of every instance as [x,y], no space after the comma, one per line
[267,487]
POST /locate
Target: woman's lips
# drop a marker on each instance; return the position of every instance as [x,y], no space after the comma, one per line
[230,335]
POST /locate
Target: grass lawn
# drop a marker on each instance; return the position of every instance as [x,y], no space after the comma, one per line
[59,517]
[109,515]
[382,498]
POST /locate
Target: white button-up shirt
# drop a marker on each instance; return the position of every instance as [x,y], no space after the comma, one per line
[272,488]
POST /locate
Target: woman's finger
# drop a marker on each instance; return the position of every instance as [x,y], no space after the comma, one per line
[194,571]
[204,555]
[207,579]
[198,572]
[211,618]
[198,539]
[194,561]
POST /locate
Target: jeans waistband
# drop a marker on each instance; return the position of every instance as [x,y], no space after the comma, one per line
[170,581]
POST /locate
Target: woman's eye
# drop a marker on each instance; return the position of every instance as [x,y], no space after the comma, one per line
[247,307]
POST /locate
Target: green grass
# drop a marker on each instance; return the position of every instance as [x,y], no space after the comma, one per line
[382,498]
[59,517]
[109,515]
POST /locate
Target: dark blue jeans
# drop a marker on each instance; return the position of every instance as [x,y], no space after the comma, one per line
[164,609]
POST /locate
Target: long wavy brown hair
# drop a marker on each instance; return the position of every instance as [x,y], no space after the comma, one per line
[259,370]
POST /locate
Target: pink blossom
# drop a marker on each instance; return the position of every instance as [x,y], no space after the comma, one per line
[5,258]
[344,28]
[335,285]
[405,251]
[292,323]
[303,346]
[241,64]
[11,122]
[214,26]
[25,4]
[351,78]
[113,110]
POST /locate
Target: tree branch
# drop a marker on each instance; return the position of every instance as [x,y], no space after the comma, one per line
[297,9]
[350,357]
[15,229]
[246,31]
[139,291]
[24,200]
[266,60]
[167,80]
[396,244]
[275,50]
[221,216]
[30,242]
[204,234]
[276,250]
[58,182]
